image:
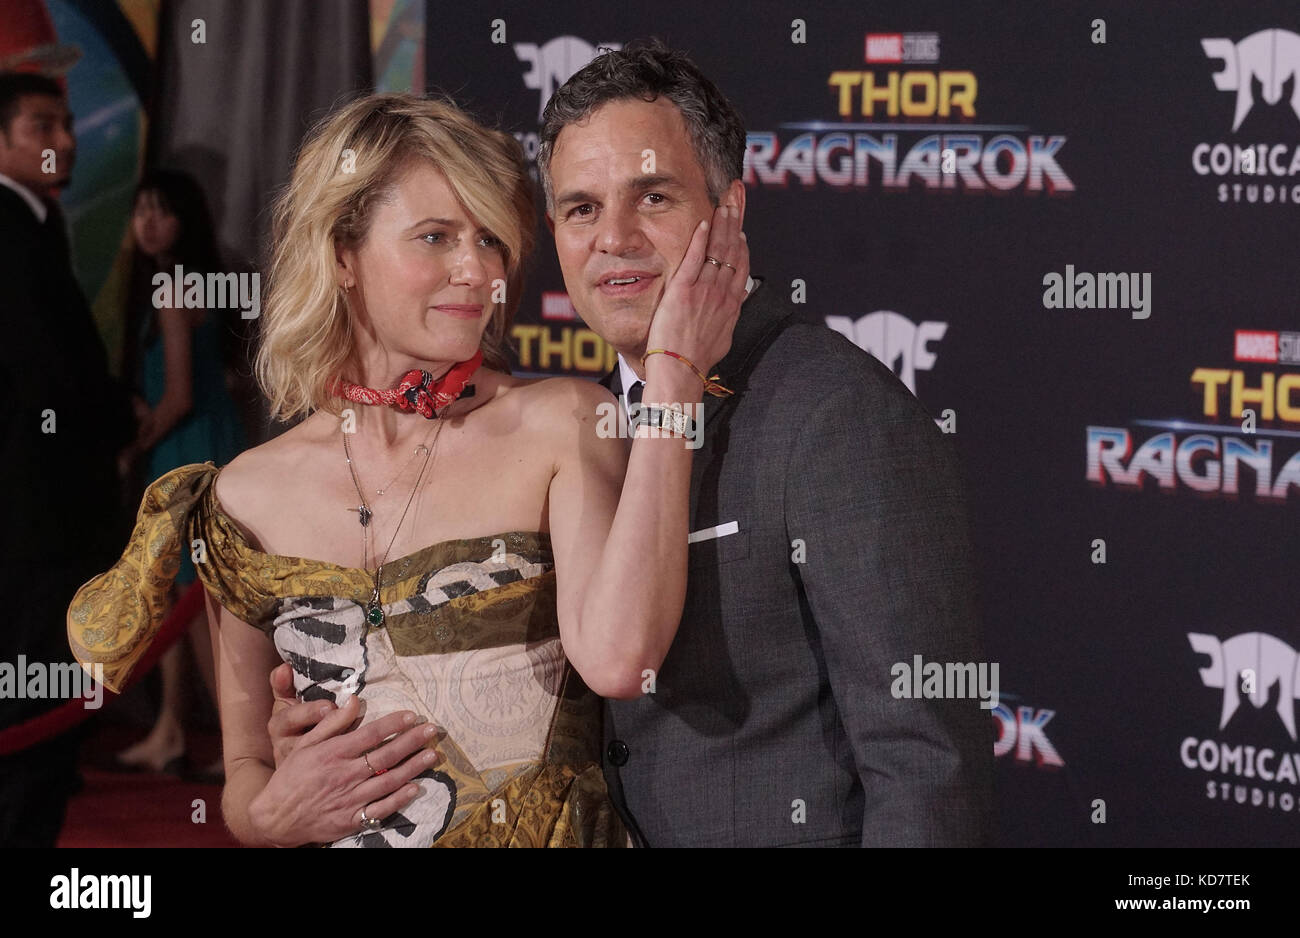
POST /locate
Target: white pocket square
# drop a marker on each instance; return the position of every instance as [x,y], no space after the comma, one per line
[707,534]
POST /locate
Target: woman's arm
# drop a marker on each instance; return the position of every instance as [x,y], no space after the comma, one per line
[241,655]
[620,549]
[620,562]
[177,328]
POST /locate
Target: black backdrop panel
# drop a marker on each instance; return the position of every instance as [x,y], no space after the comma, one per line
[1160,686]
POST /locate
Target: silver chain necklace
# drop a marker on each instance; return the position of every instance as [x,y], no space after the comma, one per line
[420,448]
[374,609]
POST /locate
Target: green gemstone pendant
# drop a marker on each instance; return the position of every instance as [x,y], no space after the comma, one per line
[375,614]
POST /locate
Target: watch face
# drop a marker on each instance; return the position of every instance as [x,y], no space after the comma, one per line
[672,418]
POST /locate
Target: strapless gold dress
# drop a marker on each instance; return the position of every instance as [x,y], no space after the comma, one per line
[470,641]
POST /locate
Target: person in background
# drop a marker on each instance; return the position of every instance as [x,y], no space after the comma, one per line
[177,356]
[63,421]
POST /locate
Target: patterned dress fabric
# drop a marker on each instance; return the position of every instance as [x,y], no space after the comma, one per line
[470,642]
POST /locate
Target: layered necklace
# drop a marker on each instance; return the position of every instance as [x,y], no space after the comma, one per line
[374,609]
[419,392]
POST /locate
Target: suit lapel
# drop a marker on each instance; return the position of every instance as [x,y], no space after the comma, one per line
[760,317]
[613,382]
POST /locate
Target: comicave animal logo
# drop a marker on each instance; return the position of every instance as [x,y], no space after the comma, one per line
[1271,55]
[555,62]
[894,339]
[1262,658]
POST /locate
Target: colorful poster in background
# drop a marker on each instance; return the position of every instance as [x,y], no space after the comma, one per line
[397,44]
[103,53]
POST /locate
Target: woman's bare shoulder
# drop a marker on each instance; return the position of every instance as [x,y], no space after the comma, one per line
[558,401]
[251,486]
[576,421]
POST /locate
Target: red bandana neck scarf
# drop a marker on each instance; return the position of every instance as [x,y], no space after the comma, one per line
[417,391]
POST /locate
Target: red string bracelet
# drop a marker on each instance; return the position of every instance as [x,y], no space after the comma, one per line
[710,384]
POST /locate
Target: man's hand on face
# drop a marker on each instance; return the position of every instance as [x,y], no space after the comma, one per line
[702,300]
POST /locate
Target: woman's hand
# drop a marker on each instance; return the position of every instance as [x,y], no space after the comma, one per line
[320,787]
[701,303]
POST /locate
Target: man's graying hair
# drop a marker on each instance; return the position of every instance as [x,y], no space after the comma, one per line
[647,70]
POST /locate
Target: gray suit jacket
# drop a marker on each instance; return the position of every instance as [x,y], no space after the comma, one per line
[772,721]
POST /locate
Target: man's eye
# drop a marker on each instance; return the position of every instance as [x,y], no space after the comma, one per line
[582,210]
[656,198]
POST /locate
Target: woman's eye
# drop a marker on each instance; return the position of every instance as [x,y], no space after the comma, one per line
[434,237]
[491,241]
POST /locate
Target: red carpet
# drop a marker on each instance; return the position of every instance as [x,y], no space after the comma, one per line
[118,809]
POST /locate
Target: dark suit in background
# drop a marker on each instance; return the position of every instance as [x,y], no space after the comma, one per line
[59,524]
[772,721]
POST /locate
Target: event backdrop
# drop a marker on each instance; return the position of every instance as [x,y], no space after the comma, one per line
[1070,228]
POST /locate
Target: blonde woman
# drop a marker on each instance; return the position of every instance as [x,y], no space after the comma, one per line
[455,557]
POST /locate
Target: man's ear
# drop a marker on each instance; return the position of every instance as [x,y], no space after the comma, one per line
[735,197]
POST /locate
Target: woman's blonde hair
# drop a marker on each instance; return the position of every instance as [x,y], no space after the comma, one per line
[346,166]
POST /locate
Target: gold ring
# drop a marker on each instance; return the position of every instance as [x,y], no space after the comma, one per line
[373,771]
[714,261]
[725,264]
[370,823]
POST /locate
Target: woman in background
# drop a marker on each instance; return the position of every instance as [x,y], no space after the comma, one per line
[177,356]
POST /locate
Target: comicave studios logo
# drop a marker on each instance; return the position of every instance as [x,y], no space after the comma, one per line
[550,65]
[1247,667]
[1262,71]
[897,120]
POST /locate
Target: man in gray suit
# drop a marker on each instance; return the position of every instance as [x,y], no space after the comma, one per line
[830,537]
